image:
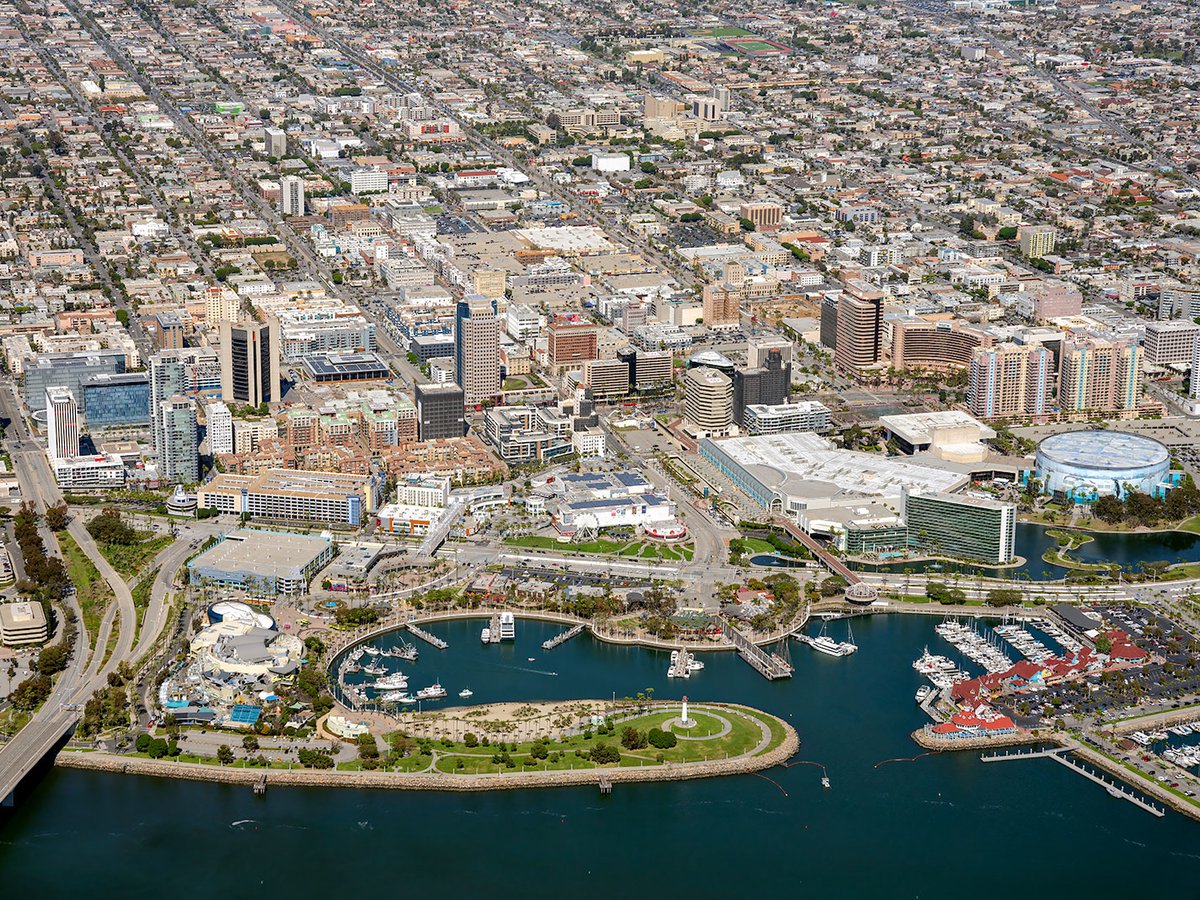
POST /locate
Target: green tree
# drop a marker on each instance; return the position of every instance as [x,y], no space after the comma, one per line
[1109,509]
[1003,597]
[224,755]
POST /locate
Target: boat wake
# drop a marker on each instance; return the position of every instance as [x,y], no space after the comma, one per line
[240,822]
[527,669]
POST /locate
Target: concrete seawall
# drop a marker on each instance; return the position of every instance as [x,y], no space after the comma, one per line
[923,740]
[431,781]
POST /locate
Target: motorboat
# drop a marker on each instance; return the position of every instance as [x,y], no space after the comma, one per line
[923,693]
[465,693]
[434,692]
[694,665]
[485,636]
[395,681]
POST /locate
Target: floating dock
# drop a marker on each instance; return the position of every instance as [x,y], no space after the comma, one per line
[562,637]
[767,665]
[427,637]
[494,629]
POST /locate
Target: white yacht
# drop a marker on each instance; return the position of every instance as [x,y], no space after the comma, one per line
[465,693]
[694,665]
[395,681]
[823,643]
[508,627]
[485,636]
[923,693]
[434,692]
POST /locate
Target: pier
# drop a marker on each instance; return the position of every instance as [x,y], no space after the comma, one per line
[1021,754]
[426,636]
[494,629]
[1113,788]
[1058,754]
[562,637]
[605,785]
[765,664]
[260,786]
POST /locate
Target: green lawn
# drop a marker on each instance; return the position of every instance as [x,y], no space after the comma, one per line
[1191,525]
[743,736]
[129,559]
[94,592]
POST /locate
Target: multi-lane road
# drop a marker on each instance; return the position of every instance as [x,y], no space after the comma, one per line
[91,663]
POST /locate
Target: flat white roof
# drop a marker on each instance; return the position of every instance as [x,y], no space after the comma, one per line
[808,465]
[265,553]
[917,428]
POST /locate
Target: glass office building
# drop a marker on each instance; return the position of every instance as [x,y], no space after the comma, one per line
[116,401]
[67,370]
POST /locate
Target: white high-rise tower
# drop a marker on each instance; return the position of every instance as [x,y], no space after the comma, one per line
[62,423]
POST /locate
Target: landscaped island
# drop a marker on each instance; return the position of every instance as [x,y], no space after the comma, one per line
[580,742]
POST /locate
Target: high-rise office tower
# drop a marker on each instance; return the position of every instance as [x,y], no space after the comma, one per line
[477,349]
[62,423]
[760,346]
[179,456]
[291,195]
[708,401]
[250,362]
[767,384]
[439,411]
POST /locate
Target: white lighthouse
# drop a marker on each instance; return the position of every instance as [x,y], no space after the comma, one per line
[683,715]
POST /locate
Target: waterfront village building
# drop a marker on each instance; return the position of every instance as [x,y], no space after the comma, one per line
[261,563]
[334,498]
[22,623]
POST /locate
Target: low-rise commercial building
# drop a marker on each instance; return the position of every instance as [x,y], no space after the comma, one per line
[22,623]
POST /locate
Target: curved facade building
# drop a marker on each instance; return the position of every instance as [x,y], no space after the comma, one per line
[1085,465]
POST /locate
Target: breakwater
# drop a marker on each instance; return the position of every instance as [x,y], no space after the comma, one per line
[433,781]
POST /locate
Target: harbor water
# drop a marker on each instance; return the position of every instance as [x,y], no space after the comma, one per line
[1128,550]
[889,825]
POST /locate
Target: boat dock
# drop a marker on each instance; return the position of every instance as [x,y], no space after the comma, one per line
[765,664]
[260,786]
[426,636]
[679,667]
[1058,754]
[605,785]
[494,629]
[562,637]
